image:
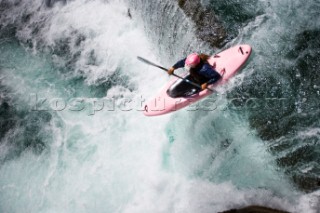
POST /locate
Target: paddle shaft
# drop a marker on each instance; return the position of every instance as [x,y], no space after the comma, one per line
[186,80]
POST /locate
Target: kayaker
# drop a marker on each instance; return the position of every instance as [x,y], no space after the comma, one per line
[200,70]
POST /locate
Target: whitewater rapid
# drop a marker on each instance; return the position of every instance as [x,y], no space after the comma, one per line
[58,159]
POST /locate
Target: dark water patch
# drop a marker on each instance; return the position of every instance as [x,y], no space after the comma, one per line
[62,48]
[308,182]
[208,26]
[290,121]
[7,33]
[22,130]
[7,122]
[50,3]
[262,94]
[28,132]
[5,5]
[235,14]
[299,155]
[305,73]
[304,78]
[6,18]
[293,157]
[32,133]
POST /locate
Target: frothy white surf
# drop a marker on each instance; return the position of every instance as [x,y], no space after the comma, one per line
[122,161]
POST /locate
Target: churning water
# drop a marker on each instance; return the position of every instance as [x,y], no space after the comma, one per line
[73,137]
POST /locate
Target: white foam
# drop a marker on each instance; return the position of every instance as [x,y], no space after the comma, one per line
[113,161]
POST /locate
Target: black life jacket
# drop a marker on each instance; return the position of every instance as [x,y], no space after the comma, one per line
[194,72]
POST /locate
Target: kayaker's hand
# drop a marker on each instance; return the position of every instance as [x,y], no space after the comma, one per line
[204,86]
[170,71]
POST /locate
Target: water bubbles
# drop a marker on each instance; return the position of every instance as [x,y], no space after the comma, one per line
[299,110]
[306,170]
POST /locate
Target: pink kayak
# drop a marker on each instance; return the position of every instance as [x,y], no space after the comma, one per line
[178,94]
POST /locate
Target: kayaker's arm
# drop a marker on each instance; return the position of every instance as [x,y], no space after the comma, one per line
[211,74]
[177,65]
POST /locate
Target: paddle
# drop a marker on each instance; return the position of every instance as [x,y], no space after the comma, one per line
[184,79]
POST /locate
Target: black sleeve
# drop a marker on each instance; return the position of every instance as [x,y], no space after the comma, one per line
[179,64]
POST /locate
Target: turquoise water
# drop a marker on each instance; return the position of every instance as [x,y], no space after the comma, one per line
[74,139]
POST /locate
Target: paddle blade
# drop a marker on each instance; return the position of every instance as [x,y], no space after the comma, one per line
[144,60]
[150,63]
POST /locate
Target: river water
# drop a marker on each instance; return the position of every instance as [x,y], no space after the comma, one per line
[73,137]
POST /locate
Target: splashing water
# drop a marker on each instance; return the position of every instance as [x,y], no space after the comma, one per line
[65,150]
